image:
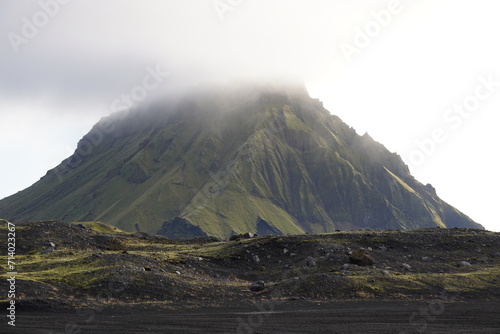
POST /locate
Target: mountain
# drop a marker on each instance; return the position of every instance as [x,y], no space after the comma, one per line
[228,159]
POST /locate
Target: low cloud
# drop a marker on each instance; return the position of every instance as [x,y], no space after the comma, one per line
[94,50]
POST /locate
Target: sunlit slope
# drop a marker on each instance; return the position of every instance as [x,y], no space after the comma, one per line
[222,159]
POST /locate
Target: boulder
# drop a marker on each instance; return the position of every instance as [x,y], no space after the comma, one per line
[464,264]
[236,237]
[257,286]
[310,262]
[248,235]
[361,257]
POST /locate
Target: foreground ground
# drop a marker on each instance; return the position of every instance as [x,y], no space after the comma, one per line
[92,278]
[386,317]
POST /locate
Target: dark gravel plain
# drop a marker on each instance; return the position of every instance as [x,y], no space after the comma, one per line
[288,317]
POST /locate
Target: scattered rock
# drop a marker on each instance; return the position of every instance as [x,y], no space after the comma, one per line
[51,244]
[257,286]
[383,248]
[248,235]
[238,237]
[256,258]
[406,266]
[464,264]
[239,260]
[47,251]
[310,262]
[361,257]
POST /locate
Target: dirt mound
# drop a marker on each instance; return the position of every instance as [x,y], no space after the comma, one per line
[38,236]
[72,264]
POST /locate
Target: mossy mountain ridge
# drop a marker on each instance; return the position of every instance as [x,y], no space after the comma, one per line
[218,161]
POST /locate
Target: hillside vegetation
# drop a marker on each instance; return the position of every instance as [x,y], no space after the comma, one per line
[227,160]
[75,265]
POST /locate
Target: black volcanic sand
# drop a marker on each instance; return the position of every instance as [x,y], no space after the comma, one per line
[287,317]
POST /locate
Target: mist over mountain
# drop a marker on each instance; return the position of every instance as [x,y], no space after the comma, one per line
[231,158]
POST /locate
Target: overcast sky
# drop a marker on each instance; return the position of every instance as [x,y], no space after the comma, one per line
[421,77]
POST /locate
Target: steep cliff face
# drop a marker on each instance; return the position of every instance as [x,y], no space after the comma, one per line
[226,159]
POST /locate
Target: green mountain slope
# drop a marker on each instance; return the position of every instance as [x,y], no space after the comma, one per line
[250,158]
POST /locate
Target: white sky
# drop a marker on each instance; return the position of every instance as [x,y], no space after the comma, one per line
[397,88]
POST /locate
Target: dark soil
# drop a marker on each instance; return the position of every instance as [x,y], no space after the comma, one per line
[415,282]
[401,317]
